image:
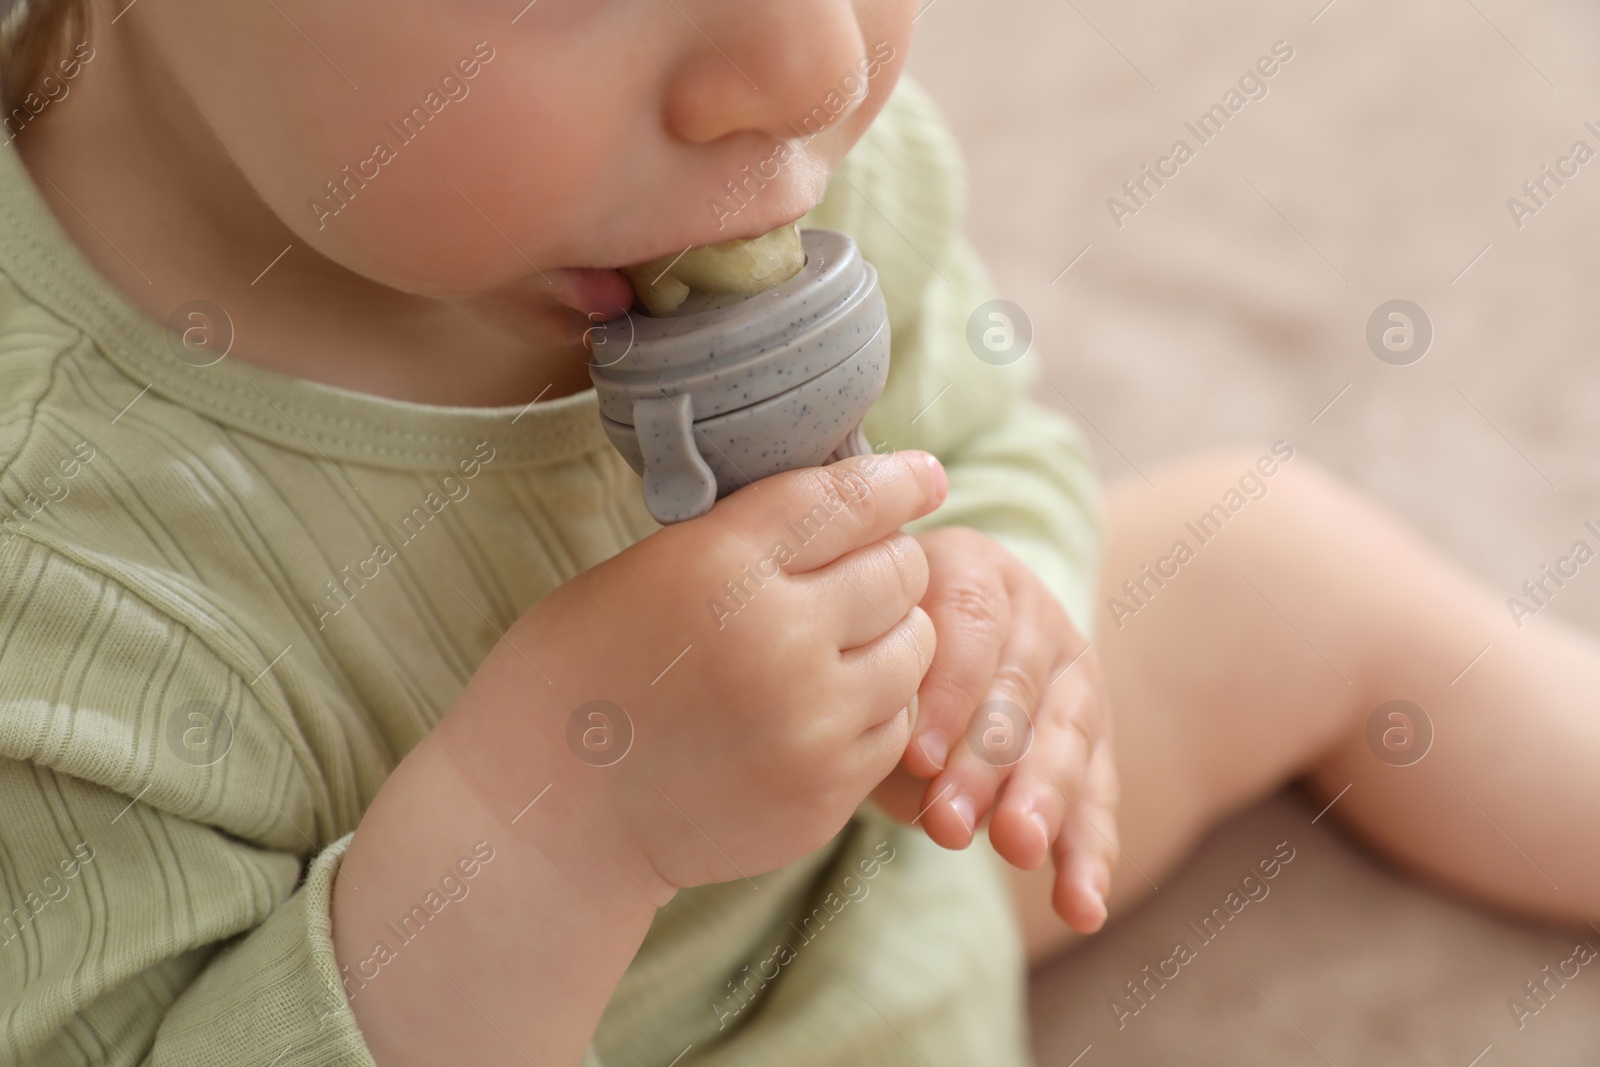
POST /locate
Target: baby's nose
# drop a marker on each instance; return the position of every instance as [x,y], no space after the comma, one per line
[788,69]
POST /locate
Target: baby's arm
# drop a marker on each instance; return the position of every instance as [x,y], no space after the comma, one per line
[527,961]
[735,768]
[186,934]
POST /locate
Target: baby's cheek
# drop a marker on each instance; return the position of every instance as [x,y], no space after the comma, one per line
[447,185]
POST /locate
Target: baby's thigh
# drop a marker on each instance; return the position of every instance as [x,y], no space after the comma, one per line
[1198,675]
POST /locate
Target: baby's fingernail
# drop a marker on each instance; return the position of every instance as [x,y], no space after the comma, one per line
[1044,827]
[965,811]
[1095,894]
[1104,912]
[935,747]
[941,481]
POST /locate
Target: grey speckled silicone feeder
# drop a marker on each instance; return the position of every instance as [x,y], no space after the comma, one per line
[733,389]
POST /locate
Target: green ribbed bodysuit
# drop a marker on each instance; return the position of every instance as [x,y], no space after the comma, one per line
[197,703]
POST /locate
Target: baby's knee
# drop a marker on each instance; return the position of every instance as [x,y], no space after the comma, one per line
[1277,514]
[1252,508]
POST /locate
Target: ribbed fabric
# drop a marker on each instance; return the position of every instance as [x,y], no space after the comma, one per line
[208,667]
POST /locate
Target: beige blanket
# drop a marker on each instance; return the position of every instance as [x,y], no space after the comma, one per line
[1424,151]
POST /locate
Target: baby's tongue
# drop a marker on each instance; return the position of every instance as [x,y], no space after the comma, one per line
[743,267]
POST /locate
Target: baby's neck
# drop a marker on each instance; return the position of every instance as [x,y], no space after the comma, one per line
[137,181]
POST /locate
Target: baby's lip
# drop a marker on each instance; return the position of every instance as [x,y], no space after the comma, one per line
[599,293]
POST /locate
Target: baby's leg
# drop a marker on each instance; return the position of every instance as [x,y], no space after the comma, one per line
[1264,657]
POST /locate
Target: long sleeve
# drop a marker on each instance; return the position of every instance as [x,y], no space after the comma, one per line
[164,883]
[1018,472]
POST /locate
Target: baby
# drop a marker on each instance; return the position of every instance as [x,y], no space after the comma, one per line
[377,722]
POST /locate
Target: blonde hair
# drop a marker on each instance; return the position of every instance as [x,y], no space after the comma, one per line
[32,34]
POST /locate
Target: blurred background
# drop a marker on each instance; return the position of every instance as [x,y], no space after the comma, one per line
[1232,307]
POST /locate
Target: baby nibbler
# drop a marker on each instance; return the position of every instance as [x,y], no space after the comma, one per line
[733,387]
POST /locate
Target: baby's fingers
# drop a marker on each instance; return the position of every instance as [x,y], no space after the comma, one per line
[971,609]
[1040,794]
[1086,851]
[999,736]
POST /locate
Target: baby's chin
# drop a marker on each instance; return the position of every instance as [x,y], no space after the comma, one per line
[542,312]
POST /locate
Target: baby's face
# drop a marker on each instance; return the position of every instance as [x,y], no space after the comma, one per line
[487,152]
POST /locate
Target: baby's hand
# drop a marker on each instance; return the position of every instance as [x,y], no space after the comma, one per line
[1015,707]
[759,659]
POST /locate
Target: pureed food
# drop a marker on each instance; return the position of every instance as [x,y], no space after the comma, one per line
[742,267]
